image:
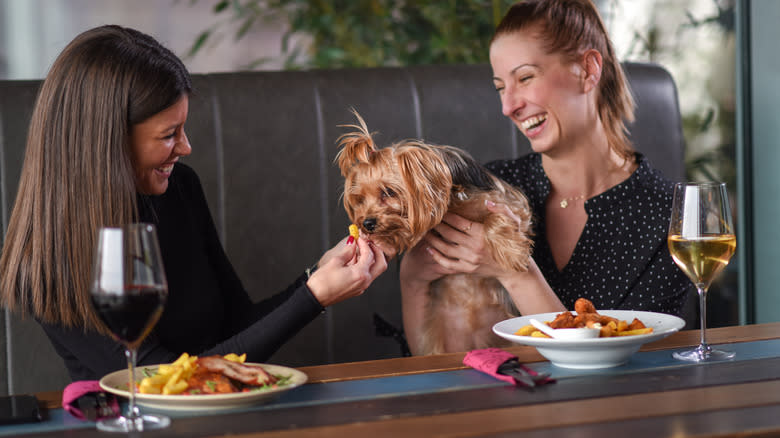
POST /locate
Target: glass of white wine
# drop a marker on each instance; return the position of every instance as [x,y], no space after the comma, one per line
[701,241]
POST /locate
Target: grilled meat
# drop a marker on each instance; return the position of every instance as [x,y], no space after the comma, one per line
[246,374]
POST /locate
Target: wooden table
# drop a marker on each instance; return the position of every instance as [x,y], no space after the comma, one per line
[738,398]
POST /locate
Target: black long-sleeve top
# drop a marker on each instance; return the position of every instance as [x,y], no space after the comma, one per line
[208,311]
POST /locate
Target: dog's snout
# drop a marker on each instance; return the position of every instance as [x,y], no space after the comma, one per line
[369,224]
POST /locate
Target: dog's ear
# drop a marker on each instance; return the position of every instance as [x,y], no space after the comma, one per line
[428,181]
[355,146]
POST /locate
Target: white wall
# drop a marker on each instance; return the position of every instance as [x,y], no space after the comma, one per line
[33,32]
[764,129]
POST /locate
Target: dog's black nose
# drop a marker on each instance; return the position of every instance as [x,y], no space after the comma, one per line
[369,224]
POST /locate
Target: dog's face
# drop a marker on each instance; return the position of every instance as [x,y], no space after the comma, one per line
[395,194]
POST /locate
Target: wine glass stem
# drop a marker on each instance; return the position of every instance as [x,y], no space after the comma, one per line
[702,317]
[132,410]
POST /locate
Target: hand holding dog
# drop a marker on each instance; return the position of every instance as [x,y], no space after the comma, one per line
[460,246]
[462,249]
[346,271]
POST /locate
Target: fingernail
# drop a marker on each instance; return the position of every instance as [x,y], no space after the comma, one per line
[350,240]
[490,203]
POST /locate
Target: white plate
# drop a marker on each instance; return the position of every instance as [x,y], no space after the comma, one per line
[596,352]
[117,380]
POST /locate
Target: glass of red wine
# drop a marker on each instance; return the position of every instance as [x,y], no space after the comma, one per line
[128,292]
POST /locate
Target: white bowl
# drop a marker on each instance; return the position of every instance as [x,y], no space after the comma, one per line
[596,352]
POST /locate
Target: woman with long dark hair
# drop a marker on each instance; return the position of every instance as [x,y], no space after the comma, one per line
[104,145]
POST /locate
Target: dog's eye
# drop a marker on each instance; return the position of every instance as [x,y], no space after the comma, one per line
[388,193]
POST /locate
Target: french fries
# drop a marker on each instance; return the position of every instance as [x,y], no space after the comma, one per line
[172,378]
[169,378]
[588,316]
[235,358]
[527,330]
[642,331]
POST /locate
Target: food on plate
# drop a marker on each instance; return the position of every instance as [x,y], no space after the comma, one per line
[587,316]
[526,330]
[354,231]
[208,375]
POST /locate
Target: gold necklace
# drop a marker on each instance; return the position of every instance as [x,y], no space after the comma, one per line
[565,201]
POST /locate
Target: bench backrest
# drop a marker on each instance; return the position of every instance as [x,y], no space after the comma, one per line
[263,145]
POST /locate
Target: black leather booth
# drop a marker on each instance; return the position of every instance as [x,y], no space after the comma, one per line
[263,145]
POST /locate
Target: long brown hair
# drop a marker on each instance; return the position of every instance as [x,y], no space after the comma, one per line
[570,27]
[77,174]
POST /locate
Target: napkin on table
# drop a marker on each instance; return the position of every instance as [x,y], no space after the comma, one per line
[82,400]
[488,361]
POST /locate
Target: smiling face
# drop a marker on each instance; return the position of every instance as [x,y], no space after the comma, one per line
[546,97]
[156,144]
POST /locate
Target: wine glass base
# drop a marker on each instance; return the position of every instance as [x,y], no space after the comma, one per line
[702,354]
[143,422]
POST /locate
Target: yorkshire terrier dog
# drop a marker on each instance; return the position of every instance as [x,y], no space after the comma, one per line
[397,194]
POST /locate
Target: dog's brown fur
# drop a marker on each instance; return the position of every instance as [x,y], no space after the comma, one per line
[399,193]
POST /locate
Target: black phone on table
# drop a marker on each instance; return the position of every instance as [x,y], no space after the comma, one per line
[19,409]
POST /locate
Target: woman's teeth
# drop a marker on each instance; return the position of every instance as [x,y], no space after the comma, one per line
[533,122]
[166,169]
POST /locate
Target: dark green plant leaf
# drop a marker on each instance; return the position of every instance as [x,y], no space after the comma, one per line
[199,42]
[221,6]
[708,119]
[245,26]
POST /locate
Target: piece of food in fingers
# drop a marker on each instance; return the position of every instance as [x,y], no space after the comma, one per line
[354,231]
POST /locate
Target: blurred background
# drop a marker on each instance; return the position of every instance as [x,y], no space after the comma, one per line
[694,39]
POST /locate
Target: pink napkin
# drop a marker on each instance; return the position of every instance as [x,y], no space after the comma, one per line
[76,390]
[488,360]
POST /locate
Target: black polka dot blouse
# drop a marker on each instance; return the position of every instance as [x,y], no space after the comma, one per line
[621,260]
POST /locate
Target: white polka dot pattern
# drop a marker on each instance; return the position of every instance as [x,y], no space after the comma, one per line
[621,260]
